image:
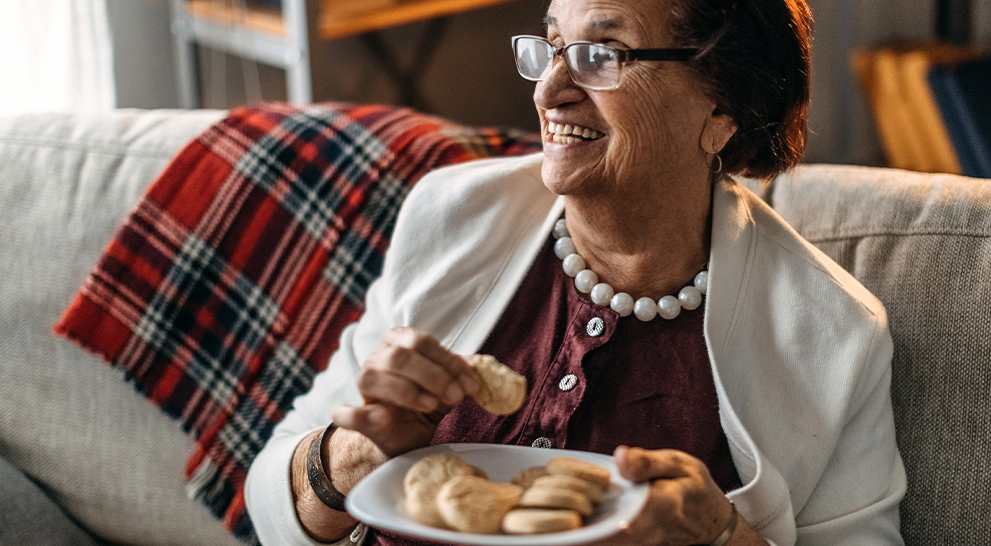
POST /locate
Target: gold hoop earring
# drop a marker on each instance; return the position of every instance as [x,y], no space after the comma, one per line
[715,159]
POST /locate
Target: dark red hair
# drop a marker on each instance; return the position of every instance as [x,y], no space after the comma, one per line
[755,63]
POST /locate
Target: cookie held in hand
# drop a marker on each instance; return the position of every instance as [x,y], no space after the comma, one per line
[503,390]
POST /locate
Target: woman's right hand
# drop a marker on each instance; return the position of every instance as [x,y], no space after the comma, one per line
[408,383]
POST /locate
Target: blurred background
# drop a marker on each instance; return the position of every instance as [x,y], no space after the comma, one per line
[455,62]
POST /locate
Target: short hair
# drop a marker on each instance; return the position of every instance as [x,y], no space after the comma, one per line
[755,63]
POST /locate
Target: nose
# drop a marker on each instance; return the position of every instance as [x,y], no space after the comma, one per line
[558,88]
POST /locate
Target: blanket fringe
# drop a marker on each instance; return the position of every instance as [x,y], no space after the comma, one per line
[204,480]
[207,485]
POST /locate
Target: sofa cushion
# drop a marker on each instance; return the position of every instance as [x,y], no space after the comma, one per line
[70,422]
[30,518]
[922,244]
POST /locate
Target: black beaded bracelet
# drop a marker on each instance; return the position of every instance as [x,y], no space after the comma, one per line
[319,480]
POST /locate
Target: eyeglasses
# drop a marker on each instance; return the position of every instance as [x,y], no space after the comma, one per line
[591,65]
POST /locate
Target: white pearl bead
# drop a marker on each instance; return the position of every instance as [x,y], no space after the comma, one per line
[668,307]
[622,303]
[702,281]
[645,309]
[573,263]
[585,280]
[561,229]
[602,294]
[690,297]
[563,247]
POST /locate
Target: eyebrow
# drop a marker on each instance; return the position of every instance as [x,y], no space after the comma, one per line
[599,24]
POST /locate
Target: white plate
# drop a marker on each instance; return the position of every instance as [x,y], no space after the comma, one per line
[378,499]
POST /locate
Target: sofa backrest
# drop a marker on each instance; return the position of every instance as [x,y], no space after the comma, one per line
[922,244]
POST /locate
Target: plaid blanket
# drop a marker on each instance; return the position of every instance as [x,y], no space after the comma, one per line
[225,290]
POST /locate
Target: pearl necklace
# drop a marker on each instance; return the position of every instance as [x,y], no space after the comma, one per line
[645,309]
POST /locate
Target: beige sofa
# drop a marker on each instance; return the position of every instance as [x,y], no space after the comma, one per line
[84,458]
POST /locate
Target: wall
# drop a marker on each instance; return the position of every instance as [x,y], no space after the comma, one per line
[472,78]
[143,68]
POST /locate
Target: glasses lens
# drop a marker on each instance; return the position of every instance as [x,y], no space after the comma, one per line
[533,57]
[594,66]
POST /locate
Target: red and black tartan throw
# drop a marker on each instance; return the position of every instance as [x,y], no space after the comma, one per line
[226,289]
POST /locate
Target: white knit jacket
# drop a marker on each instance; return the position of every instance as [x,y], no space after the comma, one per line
[800,351]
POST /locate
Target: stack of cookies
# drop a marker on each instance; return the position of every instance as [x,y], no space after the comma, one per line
[445,491]
[558,496]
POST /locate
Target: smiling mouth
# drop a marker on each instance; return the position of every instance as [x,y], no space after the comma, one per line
[570,134]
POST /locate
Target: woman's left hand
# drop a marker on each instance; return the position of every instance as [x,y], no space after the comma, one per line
[684,504]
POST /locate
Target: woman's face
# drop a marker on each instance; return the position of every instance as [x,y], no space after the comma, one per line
[648,131]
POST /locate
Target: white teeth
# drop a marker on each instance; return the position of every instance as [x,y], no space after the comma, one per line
[562,133]
[562,139]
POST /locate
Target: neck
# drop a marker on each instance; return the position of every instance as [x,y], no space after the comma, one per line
[645,247]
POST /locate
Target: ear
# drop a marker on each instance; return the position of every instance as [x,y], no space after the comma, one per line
[719,127]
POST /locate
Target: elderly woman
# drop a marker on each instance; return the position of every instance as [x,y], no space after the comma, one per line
[748,373]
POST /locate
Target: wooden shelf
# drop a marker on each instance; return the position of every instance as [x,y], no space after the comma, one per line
[266,21]
[337,25]
[287,37]
[338,19]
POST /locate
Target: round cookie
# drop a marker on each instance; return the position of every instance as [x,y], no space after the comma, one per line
[526,476]
[424,480]
[554,497]
[530,521]
[580,469]
[471,504]
[503,390]
[565,481]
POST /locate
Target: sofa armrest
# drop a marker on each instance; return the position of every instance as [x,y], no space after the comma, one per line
[71,423]
[921,243]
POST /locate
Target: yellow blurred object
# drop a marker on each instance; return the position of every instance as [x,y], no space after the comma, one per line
[910,126]
[344,8]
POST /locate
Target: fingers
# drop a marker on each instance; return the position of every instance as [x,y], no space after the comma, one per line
[371,420]
[430,348]
[409,381]
[412,370]
[640,465]
[684,505]
[392,430]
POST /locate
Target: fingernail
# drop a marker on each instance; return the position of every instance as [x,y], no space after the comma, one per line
[453,393]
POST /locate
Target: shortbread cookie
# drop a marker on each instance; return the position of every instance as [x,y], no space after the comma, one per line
[564,481]
[503,390]
[425,478]
[555,497]
[471,504]
[530,521]
[580,469]
[526,476]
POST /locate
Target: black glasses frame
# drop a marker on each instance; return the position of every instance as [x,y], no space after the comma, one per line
[623,55]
